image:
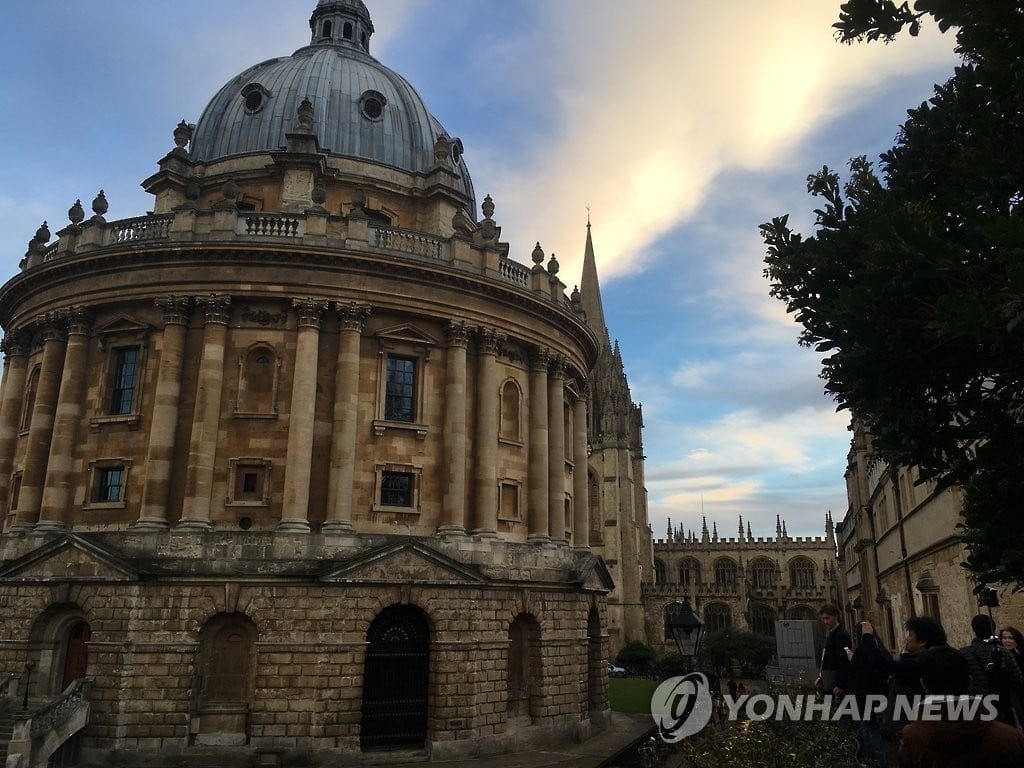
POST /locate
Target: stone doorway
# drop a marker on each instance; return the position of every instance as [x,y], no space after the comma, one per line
[76,653]
[396,679]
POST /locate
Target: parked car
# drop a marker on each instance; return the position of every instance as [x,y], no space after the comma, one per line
[614,670]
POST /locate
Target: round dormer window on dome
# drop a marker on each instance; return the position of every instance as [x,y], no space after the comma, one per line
[255,97]
[372,104]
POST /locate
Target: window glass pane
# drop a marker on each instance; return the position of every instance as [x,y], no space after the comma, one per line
[111,481]
[396,489]
[125,379]
[401,389]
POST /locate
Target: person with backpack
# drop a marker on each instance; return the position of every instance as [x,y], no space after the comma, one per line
[990,670]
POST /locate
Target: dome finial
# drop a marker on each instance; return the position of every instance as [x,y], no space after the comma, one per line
[341,22]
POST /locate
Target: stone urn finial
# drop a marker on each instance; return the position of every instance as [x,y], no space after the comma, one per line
[230,191]
[553,265]
[99,204]
[76,213]
[182,134]
[305,115]
[538,254]
[488,207]
[319,194]
[42,234]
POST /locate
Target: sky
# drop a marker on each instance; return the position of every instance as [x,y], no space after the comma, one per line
[677,126]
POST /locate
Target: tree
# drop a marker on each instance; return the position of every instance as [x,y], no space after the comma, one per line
[750,650]
[636,655]
[913,283]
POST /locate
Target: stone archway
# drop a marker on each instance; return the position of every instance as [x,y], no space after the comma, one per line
[396,679]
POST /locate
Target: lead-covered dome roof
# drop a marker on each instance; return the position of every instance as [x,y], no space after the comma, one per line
[362,109]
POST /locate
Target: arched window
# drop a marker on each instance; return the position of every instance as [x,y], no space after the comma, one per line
[31,387]
[327,29]
[762,619]
[524,667]
[671,610]
[346,31]
[257,380]
[596,522]
[717,617]
[725,573]
[689,571]
[511,400]
[762,573]
[659,572]
[801,573]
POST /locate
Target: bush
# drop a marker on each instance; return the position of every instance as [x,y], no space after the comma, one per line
[749,650]
[635,655]
[671,665]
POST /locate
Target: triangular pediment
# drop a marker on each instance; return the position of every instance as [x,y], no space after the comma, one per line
[407,333]
[403,563]
[68,558]
[596,576]
[121,324]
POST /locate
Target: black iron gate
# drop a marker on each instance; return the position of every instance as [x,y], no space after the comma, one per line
[396,679]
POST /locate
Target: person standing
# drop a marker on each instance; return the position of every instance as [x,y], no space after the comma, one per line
[834,671]
[1012,643]
[869,677]
[991,670]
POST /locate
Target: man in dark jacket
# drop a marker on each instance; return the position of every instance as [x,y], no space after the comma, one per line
[834,672]
[987,665]
[956,741]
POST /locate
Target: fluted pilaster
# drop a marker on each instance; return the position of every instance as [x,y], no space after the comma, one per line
[166,403]
[202,451]
[299,457]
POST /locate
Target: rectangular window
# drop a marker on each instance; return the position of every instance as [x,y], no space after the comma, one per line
[248,481]
[109,484]
[931,605]
[509,502]
[400,396]
[15,491]
[126,372]
[396,489]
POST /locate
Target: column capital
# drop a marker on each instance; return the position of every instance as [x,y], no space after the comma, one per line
[78,320]
[176,309]
[352,315]
[540,357]
[51,327]
[15,343]
[309,310]
[489,340]
[457,333]
[215,306]
[557,366]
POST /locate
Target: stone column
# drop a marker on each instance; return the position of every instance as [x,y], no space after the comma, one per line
[580,481]
[202,449]
[486,455]
[556,451]
[299,456]
[538,470]
[166,402]
[57,490]
[455,456]
[41,427]
[346,418]
[12,399]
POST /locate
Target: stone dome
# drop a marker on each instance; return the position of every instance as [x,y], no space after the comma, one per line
[362,109]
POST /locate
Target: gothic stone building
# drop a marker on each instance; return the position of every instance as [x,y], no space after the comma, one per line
[744,582]
[303,459]
[900,551]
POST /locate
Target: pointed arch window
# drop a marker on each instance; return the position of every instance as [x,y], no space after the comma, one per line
[801,573]
[689,571]
[762,620]
[717,617]
[762,573]
[725,573]
[659,572]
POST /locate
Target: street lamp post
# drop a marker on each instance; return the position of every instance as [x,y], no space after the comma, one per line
[687,630]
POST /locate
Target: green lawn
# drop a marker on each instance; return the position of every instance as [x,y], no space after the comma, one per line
[626,694]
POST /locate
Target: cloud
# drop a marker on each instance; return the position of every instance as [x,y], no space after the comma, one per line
[653,101]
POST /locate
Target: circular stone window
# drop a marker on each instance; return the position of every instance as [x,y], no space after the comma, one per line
[457,150]
[255,97]
[372,104]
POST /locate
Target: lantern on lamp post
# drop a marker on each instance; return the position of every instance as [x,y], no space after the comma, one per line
[687,630]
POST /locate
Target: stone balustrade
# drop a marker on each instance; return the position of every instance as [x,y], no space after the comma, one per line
[316,230]
[38,734]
